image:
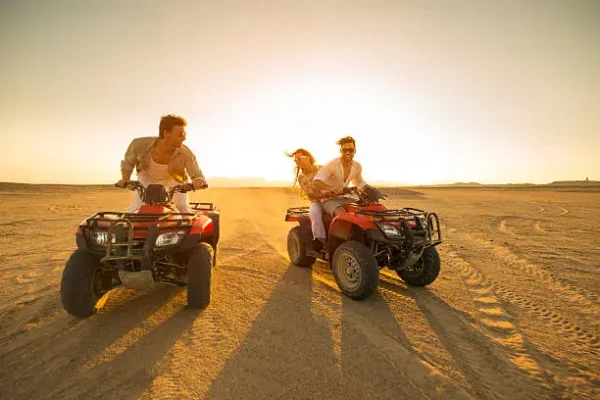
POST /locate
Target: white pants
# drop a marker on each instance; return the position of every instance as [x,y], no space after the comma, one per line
[316,219]
[179,199]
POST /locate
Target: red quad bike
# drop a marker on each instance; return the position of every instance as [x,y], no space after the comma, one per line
[367,238]
[154,243]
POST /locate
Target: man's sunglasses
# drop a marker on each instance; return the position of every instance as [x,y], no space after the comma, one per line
[349,151]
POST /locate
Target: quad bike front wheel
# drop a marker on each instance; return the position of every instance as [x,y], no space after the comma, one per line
[355,270]
[83,284]
[297,249]
[424,271]
[199,276]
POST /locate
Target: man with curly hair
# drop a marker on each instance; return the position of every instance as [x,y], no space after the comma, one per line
[163,160]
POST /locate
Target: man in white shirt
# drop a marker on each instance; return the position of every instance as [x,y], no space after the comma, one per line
[338,174]
[164,160]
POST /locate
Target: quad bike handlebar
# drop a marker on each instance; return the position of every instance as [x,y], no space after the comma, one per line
[167,196]
[367,195]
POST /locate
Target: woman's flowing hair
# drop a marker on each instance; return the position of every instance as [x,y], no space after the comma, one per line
[301,152]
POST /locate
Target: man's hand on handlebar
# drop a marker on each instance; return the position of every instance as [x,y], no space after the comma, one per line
[199,183]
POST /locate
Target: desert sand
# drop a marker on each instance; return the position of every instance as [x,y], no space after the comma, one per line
[513,315]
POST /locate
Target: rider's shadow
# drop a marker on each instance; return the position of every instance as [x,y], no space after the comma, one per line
[288,351]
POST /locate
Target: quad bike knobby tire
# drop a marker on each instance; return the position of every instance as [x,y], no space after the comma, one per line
[215,218]
[424,271]
[296,249]
[199,276]
[355,270]
[82,284]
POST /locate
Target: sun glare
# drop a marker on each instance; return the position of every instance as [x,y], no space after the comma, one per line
[313,113]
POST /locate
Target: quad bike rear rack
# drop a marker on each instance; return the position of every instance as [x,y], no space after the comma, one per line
[295,212]
[203,206]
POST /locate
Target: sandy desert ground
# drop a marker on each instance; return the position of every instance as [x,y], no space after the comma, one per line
[513,315]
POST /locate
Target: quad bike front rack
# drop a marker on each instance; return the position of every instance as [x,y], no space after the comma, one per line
[432,232]
[119,228]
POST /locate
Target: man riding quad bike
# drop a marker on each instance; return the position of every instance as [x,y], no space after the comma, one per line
[366,238]
[153,243]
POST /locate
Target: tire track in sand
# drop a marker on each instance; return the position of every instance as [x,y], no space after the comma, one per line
[580,343]
[587,343]
[553,283]
[494,319]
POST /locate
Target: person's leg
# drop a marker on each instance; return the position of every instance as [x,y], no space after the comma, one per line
[330,205]
[335,206]
[316,219]
[338,211]
[181,202]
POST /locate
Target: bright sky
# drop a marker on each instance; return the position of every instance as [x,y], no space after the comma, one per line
[433,92]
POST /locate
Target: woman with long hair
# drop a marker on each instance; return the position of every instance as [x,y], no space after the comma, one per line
[305,171]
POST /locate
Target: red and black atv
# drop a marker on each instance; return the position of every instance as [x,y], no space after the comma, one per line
[153,243]
[366,238]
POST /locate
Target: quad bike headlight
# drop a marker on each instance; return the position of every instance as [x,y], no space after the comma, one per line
[390,230]
[168,239]
[101,237]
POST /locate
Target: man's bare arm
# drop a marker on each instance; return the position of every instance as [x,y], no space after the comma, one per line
[320,185]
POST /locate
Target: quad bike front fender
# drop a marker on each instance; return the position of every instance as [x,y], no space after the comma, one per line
[202,225]
[347,228]
[343,228]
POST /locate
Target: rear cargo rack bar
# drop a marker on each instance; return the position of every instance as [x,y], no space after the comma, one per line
[203,206]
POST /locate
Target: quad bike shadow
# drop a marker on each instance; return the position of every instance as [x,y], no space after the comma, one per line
[367,238]
[154,243]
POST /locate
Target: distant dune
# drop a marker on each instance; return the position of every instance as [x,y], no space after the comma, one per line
[592,186]
[223,182]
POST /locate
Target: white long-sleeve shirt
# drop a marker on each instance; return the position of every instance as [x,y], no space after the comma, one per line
[332,174]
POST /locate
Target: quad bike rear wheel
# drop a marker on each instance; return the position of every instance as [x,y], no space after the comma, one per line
[199,276]
[424,271]
[83,284]
[297,249]
[355,270]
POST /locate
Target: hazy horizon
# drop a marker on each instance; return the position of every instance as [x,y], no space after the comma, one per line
[434,93]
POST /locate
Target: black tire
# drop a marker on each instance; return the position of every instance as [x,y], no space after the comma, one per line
[80,287]
[296,249]
[216,219]
[199,276]
[425,271]
[355,270]
[214,260]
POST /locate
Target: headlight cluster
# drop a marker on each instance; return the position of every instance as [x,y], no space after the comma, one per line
[169,239]
[101,237]
[163,240]
[390,230]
